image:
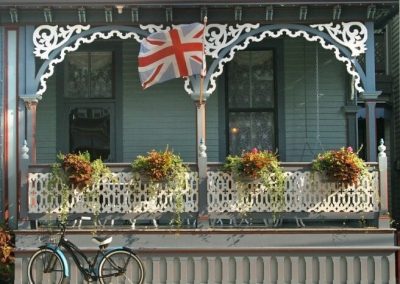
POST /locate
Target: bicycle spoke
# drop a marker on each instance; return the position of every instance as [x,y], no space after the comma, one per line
[45,267]
[121,267]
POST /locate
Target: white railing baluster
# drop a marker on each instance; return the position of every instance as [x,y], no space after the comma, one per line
[304,192]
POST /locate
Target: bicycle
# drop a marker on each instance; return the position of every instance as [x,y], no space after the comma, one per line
[49,264]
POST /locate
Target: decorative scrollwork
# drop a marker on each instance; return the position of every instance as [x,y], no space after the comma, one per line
[353,35]
[220,36]
[47,38]
[303,192]
[154,28]
[75,46]
[293,34]
[132,197]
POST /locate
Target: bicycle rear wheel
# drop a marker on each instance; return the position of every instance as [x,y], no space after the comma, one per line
[121,266]
[45,266]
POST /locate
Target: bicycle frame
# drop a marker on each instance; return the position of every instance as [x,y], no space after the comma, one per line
[90,273]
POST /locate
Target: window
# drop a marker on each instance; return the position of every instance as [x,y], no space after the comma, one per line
[89,75]
[88,104]
[251,101]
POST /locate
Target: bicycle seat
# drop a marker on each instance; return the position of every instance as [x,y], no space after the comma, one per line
[102,241]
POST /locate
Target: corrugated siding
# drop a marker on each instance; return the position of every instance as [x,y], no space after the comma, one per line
[395,62]
[301,102]
[46,125]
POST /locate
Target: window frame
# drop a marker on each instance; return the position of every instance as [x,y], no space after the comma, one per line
[273,109]
[114,104]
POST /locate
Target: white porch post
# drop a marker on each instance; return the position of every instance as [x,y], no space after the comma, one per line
[202,163]
[200,103]
[384,218]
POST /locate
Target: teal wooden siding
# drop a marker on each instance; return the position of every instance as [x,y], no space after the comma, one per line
[301,102]
[161,115]
[164,114]
[213,130]
[46,125]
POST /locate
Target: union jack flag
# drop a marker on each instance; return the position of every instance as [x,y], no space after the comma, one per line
[171,54]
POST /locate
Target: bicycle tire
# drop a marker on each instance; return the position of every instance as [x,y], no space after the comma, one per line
[124,260]
[37,264]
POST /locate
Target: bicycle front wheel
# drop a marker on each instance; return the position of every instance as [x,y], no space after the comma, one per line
[45,266]
[121,266]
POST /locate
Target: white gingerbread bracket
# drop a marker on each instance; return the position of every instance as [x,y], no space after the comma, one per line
[222,42]
[353,35]
[47,38]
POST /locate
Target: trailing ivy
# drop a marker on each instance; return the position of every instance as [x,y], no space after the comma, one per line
[164,167]
[76,174]
[257,166]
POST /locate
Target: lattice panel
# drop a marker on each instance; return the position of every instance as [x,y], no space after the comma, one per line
[121,193]
[304,192]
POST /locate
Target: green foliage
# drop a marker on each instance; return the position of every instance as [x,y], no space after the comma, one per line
[257,165]
[164,167]
[159,166]
[76,171]
[343,167]
[6,254]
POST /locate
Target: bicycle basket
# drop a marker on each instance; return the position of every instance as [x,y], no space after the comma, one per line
[50,239]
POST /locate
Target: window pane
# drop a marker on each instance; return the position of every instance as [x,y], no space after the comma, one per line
[90,131]
[251,80]
[101,75]
[77,75]
[251,129]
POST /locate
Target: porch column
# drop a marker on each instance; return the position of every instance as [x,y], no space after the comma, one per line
[27,120]
[200,102]
[31,106]
[27,87]
[351,121]
[371,129]
[202,220]
[370,94]
[10,127]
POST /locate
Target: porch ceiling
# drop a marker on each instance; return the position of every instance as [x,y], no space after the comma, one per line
[183,11]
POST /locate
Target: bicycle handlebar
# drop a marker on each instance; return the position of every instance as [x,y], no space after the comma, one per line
[64,224]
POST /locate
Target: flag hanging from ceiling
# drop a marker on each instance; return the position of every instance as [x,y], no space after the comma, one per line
[171,54]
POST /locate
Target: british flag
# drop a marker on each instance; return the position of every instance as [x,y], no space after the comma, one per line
[171,54]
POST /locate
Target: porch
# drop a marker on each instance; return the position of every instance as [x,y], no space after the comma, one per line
[209,199]
[322,234]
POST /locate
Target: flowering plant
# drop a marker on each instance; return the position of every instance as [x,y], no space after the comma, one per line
[343,166]
[164,166]
[6,254]
[255,164]
[76,171]
[160,166]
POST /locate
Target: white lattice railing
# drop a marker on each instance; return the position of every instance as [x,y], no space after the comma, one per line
[121,193]
[303,192]
[127,194]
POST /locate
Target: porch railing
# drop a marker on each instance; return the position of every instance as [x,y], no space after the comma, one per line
[126,196]
[122,193]
[303,192]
